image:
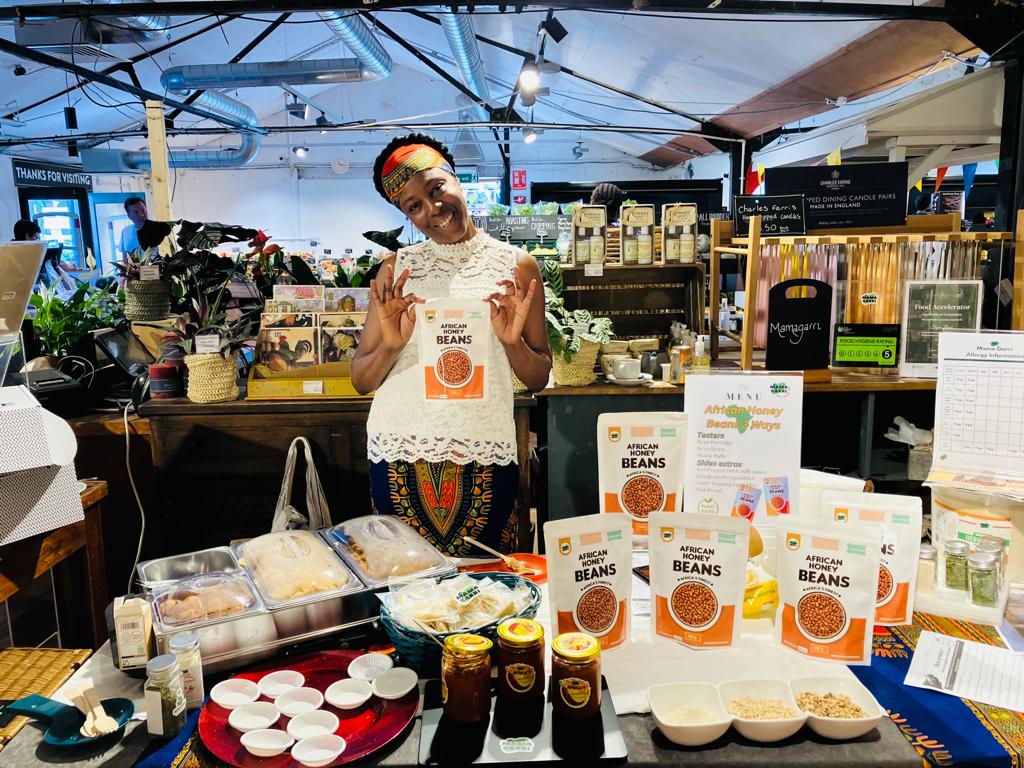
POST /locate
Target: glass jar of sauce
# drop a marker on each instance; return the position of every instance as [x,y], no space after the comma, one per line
[466,678]
[520,661]
[576,676]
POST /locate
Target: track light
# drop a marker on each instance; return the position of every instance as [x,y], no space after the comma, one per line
[529,77]
[323,122]
[296,108]
[530,135]
[70,118]
[553,28]
[579,150]
[300,151]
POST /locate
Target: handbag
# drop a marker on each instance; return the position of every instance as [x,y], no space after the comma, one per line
[286,516]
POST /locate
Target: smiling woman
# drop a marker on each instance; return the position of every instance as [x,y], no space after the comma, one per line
[446,467]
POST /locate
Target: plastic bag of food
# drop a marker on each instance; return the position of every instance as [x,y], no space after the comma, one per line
[640,460]
[382,547]
[698,576]
[455,337]
[761,594]
[589,576]
[814,483]
[828,575]
[291,564]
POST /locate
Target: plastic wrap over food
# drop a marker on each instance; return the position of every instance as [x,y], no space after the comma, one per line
[289,565]
[382,547]
[450,605]
[204,598]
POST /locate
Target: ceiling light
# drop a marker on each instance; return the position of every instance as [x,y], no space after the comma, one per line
[529,136]
[296,108]
[579,150]
[529,77]
[300,151]
[70,118]
[323,122]
[554,29]
[527,99]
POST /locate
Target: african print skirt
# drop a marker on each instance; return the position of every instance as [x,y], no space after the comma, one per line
[445,501]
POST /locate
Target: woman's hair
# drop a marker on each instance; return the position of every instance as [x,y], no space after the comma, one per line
[610,196]
[403,141]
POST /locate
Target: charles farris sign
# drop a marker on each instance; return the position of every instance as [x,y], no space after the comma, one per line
[841,196]
[31,174]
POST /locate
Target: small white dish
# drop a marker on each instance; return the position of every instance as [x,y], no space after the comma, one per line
[266,743]
[276,683]
[395,683]
[667,697]
[234,693]
[298,700]
[348,694]
[256,716]
[764,731]
[641,381]
[319,722]
[318,751]
[369,666]
[840,728]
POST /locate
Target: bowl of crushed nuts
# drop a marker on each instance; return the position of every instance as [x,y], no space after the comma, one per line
[837,707]
[762,710]
[688,714]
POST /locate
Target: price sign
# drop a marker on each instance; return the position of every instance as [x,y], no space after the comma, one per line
[593,270]
[149,272]
[312,387]
[780,214]
[208,344]
[866,345]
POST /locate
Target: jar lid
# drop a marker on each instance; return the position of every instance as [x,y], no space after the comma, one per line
[928,552]
[520,631]
[982,560]
[956,547]
[471,645]
[161,664]
[576,646]
[990,544]
[184,642]
[994,541]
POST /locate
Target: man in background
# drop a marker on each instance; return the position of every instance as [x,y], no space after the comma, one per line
[26,230]
[135,207]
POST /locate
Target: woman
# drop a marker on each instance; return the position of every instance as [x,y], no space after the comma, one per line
[448,469]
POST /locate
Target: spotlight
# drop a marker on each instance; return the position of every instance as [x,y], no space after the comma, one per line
[579,150]
[70,118]
[300,151]
[19,70]
[72,149]
[553,27]
[530,135]
[529,77]
[323,122]
[527,99]
[296,109]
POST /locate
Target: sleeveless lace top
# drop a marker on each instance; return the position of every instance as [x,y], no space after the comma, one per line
[401,425]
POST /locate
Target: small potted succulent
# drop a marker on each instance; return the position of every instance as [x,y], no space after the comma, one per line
[145,300]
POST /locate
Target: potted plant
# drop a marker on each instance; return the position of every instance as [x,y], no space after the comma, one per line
[62,325]
[575,336]
[144,299]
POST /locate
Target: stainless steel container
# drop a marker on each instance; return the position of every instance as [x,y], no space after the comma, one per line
[165,571]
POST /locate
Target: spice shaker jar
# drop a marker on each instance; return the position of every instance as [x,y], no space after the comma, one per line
[955,565]
[466,678]
[576,676]
[185,648]
[926,561]
[164,697]
[983,578]
[995,546]
[520,661]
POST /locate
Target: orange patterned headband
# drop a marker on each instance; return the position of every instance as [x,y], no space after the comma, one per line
[404,163]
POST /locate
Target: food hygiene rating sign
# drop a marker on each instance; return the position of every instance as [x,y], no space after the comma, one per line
[743,444]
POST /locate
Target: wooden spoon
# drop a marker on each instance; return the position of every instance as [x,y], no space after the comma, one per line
[517,566]
[88,729]
[104,723]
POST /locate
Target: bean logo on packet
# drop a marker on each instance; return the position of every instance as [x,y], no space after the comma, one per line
[455,336]
[640,458]
[828,575]
[698,577]
[590,576]
[900,520]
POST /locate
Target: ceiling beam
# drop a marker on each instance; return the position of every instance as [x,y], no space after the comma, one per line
[918,169]
[927,140]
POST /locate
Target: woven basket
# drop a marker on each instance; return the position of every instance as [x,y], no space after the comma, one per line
[24,671]
[421,653]
[517,386]
[211,378]
[147,300]
[580,370]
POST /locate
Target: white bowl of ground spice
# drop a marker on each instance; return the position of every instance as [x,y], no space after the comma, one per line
[837,707]
[688,714]
[762,710]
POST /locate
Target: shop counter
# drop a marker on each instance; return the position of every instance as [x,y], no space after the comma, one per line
[840,421]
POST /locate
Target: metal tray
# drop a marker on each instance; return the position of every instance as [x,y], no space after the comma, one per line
[155,574]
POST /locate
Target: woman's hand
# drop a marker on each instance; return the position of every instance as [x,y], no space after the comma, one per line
[510,307]
[396,311]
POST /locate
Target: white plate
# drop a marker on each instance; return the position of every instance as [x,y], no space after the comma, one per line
[395,683]
[298,700]
[667,697]
[369,666]
[348,694]
[642,381]
[276,683]
[319,722]
[256,716]
[840,728]
[317,751]
[762,730]
[266,743]
[234,693]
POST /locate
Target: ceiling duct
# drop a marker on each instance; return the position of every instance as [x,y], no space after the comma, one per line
[354,33]
[458,29]
[86,40]
[269,73]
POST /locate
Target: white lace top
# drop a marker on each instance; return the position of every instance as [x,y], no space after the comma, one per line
[402,425]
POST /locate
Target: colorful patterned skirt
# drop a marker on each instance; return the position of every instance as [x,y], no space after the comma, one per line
[445,501]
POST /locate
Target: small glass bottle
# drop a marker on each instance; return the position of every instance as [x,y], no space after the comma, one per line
[466,678]
[630,246]
[983,578]
[596,246]
[955,565]
[164,697]
[926,562]
[581,248]
[687,245]
[645,246]
[671,245]
[701,359]
[185,648]
[995,546]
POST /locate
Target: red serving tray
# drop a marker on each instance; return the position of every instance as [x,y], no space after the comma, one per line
[537,562]
[365,730]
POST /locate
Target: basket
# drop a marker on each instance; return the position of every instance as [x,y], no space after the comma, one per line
[418,651]
[211,378]
[518,387]
[147,300]
[580,370]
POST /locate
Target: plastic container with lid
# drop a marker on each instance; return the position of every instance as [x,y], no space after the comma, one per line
[294,568]
[520,661]
[203,599]
[379,547]
[576,676]
[466,678]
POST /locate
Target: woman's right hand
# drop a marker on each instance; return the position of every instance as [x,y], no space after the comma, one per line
[396,311]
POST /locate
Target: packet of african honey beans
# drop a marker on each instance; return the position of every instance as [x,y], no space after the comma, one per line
[589,576]
[455,337]
[828,574]
[640,466]
[900,520]
[698,577]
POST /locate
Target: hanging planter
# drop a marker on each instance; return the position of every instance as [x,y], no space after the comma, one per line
[211,378]
[147,300]
[578,370]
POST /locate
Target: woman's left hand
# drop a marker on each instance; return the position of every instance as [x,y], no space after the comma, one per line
[510,307]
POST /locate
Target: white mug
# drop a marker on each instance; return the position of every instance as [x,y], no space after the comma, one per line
[626,369]
[607,361]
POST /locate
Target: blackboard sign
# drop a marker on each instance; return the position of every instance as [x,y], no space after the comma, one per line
[780,214]
[799,321]
[866,345]
[867,195]
[524,227]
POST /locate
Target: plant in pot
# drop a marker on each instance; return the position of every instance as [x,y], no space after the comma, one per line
[575,336]
[148,299]
[62,326]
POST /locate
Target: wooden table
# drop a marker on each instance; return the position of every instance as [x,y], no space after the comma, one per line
[23,561]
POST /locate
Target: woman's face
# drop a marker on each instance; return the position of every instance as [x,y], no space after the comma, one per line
[434,203]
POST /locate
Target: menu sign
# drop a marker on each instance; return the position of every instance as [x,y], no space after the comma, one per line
[523,227]
[780,214]
[743,444]
[929,307]
[865,195]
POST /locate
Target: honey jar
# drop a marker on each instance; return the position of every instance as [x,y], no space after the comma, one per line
[520,661]
[466,678]
[576,676]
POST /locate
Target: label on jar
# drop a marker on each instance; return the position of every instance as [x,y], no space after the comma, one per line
[575,692]
[154,713]
[520,677]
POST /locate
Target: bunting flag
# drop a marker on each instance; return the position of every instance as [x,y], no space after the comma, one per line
[940,174]
[835,158]
[752,181]
[760,174]
[919,186]
[970,169]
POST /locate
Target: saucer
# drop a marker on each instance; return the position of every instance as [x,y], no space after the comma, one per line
[643,380]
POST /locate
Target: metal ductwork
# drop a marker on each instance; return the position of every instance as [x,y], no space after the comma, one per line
[355,34]
[458,29]
[266,74]
[149,24]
